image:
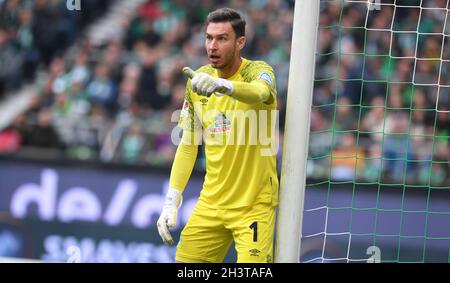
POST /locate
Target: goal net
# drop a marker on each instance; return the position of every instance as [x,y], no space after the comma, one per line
[378,186]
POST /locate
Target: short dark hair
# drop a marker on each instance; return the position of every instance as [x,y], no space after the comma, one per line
[228,15]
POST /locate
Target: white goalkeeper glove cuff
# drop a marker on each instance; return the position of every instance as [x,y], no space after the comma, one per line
[204,84]
[169,215]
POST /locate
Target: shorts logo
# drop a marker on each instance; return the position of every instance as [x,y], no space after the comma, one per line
[254,252]
[221,125]
[266,77]
[204,101]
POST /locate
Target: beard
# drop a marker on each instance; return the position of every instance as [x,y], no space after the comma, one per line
[224,61]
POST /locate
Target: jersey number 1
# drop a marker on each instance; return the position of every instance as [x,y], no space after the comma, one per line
[254,227]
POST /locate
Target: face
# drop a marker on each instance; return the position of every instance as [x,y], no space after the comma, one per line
[222,45]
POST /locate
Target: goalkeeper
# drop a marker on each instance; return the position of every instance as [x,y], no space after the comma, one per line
[240,192]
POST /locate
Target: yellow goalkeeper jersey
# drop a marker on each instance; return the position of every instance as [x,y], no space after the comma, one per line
[239,139]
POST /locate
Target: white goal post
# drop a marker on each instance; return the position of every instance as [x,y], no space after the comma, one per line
[295,147]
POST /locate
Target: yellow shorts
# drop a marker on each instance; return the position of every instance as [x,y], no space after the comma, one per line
[209,234]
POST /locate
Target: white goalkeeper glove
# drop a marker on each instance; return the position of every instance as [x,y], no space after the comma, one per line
[204,84]
[169,214]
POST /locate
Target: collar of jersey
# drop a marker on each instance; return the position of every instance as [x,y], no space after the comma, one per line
[243,63]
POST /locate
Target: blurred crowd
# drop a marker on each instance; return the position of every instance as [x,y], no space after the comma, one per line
[382,94]
[376,92]
[33,32]
[117,102]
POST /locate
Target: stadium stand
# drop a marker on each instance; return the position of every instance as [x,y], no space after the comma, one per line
[111,99]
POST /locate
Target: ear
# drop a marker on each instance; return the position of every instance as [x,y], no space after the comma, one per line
[241,42]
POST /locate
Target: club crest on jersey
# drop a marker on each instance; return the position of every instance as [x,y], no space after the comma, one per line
[221,125]
[266,77]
